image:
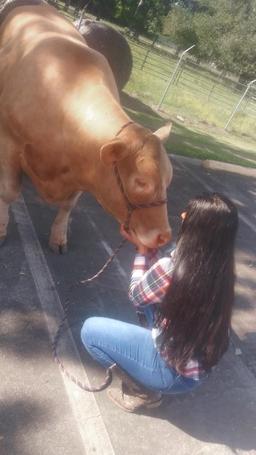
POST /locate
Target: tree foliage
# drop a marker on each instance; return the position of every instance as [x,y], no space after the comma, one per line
[142,16]
[179,26]
[224,32]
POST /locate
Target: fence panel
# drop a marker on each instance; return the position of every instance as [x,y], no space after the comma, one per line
[196,93]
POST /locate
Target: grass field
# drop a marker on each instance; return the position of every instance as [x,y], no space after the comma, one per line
[197,94]
[194,142]
[204,110]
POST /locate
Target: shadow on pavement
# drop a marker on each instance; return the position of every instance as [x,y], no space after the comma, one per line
[18,419]
[219,412]
[23,332]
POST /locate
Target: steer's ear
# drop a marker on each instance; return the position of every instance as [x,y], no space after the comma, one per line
[163,132]
[113,151]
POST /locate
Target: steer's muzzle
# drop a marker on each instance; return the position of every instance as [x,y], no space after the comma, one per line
[154,238]
[163,238]
[151,226]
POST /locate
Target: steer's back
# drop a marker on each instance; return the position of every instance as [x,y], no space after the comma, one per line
[47,66]
[55,97]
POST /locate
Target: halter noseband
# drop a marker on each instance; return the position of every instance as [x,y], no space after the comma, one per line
[131,207]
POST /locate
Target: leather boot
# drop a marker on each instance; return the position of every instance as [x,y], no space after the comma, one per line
[132,396]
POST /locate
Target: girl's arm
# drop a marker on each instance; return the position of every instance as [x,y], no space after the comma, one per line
[149,283]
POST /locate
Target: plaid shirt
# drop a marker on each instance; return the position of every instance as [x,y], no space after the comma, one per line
[150,279]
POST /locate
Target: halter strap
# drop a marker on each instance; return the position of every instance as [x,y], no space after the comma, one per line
[131,207]
[124,126]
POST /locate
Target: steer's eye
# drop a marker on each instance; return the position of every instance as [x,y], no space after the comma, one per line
[142,187]
[142,184]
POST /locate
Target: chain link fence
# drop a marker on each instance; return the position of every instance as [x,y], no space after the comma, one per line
[196,92]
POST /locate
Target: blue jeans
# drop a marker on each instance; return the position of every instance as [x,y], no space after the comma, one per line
[131,347]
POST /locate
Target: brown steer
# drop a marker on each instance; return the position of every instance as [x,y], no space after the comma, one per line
[59,121]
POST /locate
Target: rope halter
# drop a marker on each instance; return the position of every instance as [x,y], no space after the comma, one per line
[130,206]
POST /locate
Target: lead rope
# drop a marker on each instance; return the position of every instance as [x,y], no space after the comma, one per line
[130,208]
[108,376]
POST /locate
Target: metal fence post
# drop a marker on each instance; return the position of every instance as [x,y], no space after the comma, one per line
[178,76]
[239,103]
[215,84]
[82,14]
[148,51]
[173,76]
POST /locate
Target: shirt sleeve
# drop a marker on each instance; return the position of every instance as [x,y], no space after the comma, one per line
[149,283]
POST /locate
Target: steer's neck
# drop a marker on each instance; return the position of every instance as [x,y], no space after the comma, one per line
[100,116]
[97,122]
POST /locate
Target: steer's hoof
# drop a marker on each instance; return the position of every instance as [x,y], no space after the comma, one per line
[58,249]
[2,240]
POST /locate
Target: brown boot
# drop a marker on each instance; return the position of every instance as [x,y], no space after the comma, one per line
[131,396]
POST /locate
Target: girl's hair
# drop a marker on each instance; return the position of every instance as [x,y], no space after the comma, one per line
[198,305]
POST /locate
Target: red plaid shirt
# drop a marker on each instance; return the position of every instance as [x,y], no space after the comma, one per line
[150,279]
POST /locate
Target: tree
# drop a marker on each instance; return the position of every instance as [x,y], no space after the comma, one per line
[143,16]
[179,26]
[239,56]
[224,32]
[102,9]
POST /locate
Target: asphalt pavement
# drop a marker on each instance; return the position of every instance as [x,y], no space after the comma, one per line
[41,411]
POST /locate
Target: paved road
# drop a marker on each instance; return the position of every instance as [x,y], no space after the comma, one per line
[41,412]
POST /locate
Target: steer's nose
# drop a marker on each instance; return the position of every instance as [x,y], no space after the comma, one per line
[155,238]
[163,238]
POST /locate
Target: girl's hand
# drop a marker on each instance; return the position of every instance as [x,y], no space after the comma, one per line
[128,236]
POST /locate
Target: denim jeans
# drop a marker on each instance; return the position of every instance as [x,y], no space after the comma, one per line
[131,347]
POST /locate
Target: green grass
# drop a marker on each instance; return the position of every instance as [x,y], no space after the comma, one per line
[198,94]
[194,142]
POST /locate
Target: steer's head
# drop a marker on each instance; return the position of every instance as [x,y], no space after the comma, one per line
[145,172]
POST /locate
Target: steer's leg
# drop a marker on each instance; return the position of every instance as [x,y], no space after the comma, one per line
[4,219]
[59,230]
[10,178]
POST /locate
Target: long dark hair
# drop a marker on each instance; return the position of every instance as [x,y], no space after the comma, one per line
[198,305]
